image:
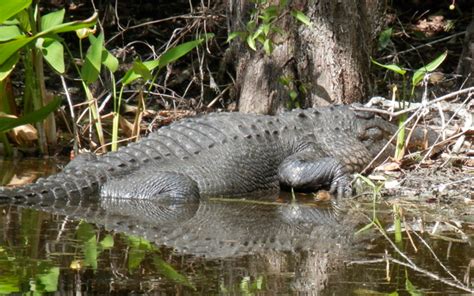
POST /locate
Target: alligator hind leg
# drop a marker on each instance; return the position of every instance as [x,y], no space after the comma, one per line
[304,171]
[162,187]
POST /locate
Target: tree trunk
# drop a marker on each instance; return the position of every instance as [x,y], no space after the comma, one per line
[326,62]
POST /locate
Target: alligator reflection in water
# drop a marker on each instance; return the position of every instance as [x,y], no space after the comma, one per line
[299,242]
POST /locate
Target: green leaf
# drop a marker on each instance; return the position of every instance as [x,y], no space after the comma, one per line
[293,95]
[173,54]
[142,70]
[131,75]
[420,73]
[9,32]
[258,32]
[87,235]
[9,284]
[384,38]
[7,49]
[135,258]
[234,35]
[366,227]
[107,242]
[109,60]
[267,46]
[52,19]
[53,53]
[72,26]
[8,66]
[9,8]
[391,67]
[300,16]
[48,281]
[251,43]
[40,114]
[138,249]
[170,273]
[412,289]
[91,69]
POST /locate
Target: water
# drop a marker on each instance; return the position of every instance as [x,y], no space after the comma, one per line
[223,247]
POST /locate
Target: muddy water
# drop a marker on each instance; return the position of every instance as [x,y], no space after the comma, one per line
[227,248]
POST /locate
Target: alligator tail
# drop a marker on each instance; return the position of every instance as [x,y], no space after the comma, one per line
[70,184]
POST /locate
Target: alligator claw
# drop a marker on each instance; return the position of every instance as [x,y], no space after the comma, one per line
[341,187]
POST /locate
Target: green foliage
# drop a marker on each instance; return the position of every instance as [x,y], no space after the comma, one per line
[170,273]
[421,72]
[93,60]
[11,8]
[262,26]
[38,115]
[23,32]
[385,38]
[290,84]
[417,77]
[375,196]
[249,287]
[144,70]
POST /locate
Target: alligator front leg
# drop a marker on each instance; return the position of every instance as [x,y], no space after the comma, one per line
[162,187]
[305,171]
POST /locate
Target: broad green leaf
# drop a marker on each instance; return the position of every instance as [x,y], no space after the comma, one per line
[170,273]
[173,54]
[138,249]
[135,258]
[131,75]
[8,66]
[9,284]
[107,242]
[9,8]
[53,53]
[266,29]
[391,67]
[87,235]
[139,242]
[293,95]
[142,70]
[258,32]
[91,69]
[109,60]
[384,38]
[233,35]
[48,281]
[40,114]
[9,32]
[420,73]
[251,43]
[72,26]
[300,16]
[52,19]
[267,46]
[7,49]
[23,19]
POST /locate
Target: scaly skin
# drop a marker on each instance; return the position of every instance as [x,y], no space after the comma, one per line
[228,154]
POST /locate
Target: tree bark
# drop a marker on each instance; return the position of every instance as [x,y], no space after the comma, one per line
[328,62]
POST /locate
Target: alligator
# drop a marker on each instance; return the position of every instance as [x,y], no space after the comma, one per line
[229,155]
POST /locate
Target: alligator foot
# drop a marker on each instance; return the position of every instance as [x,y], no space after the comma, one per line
[302,172]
